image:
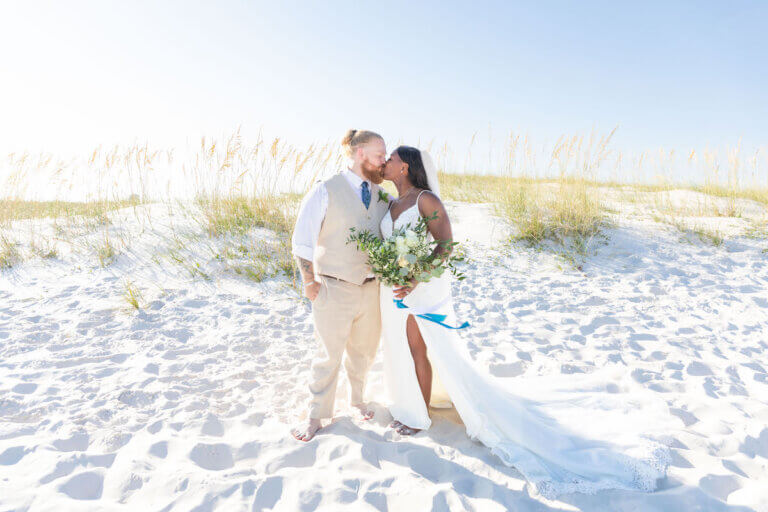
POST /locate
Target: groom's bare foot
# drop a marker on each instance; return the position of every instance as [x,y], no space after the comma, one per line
[405,430]
[308,431]
[365,412]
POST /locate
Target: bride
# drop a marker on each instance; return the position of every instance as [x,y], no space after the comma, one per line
[562,433]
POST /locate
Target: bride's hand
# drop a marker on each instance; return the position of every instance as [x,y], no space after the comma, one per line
[401,291]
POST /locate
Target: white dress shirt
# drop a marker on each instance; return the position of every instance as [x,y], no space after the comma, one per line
[312,213]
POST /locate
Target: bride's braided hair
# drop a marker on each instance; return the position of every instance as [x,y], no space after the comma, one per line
[354,138]
[416,172]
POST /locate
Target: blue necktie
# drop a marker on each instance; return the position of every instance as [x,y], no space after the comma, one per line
[366,195]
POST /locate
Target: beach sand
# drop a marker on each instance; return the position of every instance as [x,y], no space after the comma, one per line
[187,403]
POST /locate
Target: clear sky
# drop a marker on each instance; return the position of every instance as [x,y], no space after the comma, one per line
[678,74]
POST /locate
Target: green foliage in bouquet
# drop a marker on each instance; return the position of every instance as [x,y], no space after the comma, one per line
[407,254]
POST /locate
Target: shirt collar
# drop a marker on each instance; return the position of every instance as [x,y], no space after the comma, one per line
[356,180]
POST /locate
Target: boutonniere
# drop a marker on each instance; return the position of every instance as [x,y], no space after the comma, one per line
[383,196]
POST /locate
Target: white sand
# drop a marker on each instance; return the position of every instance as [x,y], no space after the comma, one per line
[187,404]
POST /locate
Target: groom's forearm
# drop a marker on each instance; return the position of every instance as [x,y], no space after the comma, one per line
[306,269]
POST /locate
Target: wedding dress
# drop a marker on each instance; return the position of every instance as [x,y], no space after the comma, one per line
[564,433]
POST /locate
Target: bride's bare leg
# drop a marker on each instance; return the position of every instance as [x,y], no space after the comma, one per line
[420,360]
[422,366]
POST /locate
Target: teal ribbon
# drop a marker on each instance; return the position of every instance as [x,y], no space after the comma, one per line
[432,317]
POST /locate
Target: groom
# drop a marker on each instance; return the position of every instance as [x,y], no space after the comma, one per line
[337,278]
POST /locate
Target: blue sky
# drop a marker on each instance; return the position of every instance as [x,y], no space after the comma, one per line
[677,74]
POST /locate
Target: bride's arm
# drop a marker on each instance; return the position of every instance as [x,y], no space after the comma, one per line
[440,227]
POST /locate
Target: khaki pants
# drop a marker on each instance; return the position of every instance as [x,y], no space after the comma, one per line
[347,317]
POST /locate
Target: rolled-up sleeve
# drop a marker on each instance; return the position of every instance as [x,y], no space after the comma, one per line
[308,222]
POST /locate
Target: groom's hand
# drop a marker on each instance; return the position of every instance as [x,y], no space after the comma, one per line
[311,287]
[311,290]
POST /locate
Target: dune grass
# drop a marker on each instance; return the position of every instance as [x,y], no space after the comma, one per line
[239,214]
[563,209]
[9,252]
[16,209]
[692,230]
[105,251]
[43,248]
[235,189]
[260,258]
[244,199]
[132,295]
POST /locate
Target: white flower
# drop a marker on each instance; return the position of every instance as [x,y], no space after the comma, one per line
[401,245]
[411,238]
[402,261]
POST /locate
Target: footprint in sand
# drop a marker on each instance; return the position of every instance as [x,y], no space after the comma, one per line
[133,483]
[212,426]
[426,464]
[255,419]
[152,368]
[756,446]
[194,303]
[597,323]
[248,488]
[698,369]
[507,369]
[25,388]
[679,461]
[268,493]
[642,376]
[215,457]
[155,427]
[524,356]
[77,443]
[115,441]
[687,417]
[377,500]
[119,358]
[13,455]
[570,369]
[85,486]
[181,335]
[302,457]
[309,500]
[68,466]
[250,450]
[641,336]
[732,466]
[710,388]
[719,486]
[159,450]
[155,305]
[137,398]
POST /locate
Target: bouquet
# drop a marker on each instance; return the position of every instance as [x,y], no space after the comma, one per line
[407,254]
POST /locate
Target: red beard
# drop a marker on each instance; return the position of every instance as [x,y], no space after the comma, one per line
[372,173]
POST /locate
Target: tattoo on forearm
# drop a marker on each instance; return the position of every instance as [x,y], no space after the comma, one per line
[306,269]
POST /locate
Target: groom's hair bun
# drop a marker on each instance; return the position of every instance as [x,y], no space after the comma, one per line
[354,138]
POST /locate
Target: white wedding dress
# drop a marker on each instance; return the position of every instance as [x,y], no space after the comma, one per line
[564,433]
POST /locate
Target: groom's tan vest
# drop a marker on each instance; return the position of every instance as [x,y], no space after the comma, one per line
[333,256]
